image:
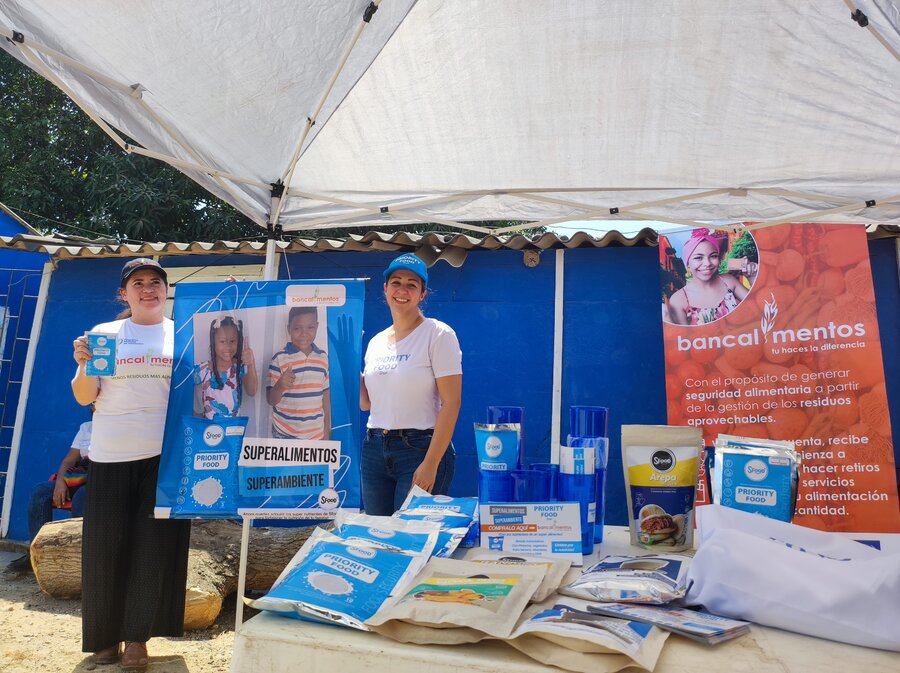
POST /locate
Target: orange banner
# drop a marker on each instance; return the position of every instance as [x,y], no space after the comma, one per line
[775,335]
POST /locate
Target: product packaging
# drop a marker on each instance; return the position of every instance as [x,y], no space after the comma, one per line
[661,465]
[448,540]
[600,445]
[554,569]
[633,579]
[515,416]
[332,581]
[577,483]
[756,475]
[562,632]
[210,472]
[458,594]
[387,532]
[448,511]
[497,446]
[700,626]
[103,354]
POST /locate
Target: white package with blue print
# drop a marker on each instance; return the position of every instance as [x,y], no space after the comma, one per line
[210,449]
[330,580]
[497,445]
[448,540]
[388,532]
[562,632]
[451,512]
[777,574]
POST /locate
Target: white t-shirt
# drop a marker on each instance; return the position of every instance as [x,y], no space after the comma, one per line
[130,411]
[82,440]
[400,377]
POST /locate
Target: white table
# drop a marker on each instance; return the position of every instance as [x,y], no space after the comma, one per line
[280,645]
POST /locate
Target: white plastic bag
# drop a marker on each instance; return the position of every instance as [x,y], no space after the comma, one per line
[794,578]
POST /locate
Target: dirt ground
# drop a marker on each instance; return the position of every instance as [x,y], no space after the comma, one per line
[43,634]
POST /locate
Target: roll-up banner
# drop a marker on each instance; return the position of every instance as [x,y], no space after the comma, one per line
[773,334]
[264,407]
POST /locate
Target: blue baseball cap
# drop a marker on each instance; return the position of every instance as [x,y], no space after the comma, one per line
[409,262]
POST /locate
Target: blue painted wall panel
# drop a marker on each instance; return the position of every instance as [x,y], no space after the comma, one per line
[503,314]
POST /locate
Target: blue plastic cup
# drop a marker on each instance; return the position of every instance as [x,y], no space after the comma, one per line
[531,485]
[553,469]
[581,488]
[495,486]
[499,415]
[588,421]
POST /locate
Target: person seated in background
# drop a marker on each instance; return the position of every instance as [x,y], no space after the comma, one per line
[64,490]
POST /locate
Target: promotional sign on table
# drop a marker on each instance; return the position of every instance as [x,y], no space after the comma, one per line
[264,407]
[790,350]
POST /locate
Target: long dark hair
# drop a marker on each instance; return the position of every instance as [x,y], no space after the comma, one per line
[214,327]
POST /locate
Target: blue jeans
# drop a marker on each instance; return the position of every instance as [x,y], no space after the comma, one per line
[40,506]
[388,464]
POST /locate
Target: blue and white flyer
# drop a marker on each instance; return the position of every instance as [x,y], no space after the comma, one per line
[263,414]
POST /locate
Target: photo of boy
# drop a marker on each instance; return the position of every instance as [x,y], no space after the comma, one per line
[297,385]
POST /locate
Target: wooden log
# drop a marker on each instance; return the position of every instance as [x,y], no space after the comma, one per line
[212,562]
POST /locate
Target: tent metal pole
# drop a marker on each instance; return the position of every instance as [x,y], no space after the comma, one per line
[311,120]
[269,271]
[559,297]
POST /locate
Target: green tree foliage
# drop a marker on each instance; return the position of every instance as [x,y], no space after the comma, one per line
[61,173]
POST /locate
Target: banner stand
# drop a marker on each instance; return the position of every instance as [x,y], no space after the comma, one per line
[242,572]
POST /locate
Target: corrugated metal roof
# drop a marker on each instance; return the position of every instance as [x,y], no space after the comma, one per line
[452,248]
[432,247]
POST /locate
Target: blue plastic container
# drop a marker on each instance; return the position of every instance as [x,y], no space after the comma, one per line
[588,421]
[499,414]
[495,486]
[531,485]
[553,469]
[581,488]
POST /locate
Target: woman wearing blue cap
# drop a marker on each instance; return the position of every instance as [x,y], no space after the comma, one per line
[412,387]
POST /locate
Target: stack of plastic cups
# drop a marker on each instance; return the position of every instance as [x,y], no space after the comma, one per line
[495,486]
[553,470]
[588,426]
[577,483]
[506,415]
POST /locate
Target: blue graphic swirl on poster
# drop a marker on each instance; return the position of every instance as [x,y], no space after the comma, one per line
[263,412]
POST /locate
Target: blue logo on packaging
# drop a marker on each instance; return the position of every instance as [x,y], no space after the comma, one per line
[497,449]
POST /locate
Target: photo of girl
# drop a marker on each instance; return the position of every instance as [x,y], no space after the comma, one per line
[709,278]
[221,382]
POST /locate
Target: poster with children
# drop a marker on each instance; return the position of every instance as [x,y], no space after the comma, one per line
[772,333]
[264,408]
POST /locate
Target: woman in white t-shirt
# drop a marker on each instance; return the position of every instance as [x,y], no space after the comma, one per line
[134,567]
[412,387]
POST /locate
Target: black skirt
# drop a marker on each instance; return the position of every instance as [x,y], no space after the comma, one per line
[133,567]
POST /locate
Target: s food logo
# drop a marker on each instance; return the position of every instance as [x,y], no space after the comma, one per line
[213,435]
[361,552]
[662,460]
[756,470]
[493,447]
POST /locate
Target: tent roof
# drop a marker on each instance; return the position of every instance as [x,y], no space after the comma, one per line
[467,111]
[431,247]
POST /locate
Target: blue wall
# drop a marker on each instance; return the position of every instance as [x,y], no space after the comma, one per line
[20,281]
[503,314]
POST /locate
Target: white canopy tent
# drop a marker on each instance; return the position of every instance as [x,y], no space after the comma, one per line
[448,112]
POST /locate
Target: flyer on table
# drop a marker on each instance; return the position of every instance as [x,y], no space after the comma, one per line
[264,407]
[773,333]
